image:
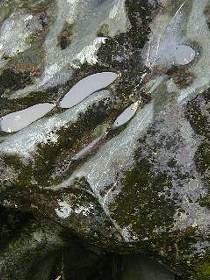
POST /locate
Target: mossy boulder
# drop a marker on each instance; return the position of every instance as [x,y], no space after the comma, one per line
[127,168]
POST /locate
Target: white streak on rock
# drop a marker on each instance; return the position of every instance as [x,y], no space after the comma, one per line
[86,87]
[126,115]
[18,120]
[24,142]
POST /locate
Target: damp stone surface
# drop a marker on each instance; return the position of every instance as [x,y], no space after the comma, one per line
[105,139]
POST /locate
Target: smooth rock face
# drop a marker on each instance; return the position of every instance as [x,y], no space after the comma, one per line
[122,160]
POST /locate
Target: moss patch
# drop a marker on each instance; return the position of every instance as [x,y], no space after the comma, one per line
[203,269]
[141,203]
[10,80]
[198,113]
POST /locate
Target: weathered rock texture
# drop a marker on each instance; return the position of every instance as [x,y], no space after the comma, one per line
[124,179]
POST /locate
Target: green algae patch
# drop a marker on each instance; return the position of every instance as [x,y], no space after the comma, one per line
[198,114]
[49,164]
[23,171]
[203,158]
[142,203]
[103,30]
[122,52]
[145,208]
[11,80]
[203,269]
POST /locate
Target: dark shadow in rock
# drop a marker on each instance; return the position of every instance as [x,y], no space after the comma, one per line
[141,268]
[11,224]
[81,264]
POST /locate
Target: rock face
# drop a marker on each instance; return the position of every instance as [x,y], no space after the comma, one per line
[125,164]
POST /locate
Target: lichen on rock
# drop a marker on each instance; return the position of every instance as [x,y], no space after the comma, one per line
[120,156]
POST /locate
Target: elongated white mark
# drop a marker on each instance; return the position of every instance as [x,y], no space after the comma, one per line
[86,87]
[126,115]
[18,120]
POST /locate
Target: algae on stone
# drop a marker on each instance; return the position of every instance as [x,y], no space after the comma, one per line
[141,186]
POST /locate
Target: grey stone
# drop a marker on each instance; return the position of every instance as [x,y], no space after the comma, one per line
[122,180]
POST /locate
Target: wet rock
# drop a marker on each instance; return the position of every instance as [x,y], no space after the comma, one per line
[124,164]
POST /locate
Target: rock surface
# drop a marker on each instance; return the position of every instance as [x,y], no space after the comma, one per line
[124,180]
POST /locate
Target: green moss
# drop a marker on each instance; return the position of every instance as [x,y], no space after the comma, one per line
[103,30]
[203,157]
[197,114]
[53,158]
[141,203]
[203,269]
[197,118]
[5,10]
[31,39]
[24,170]
[10,80]
[139,9]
